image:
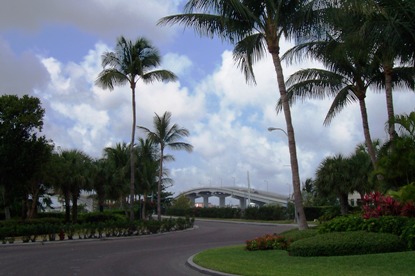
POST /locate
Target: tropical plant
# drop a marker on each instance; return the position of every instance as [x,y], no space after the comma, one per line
[255,27]
[147,170]
[166,135]
[131,62]
[397,159]
[387,29]
[347,79]
[118,164]
[77,176]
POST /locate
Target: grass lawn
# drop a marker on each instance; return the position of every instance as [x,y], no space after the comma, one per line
[236,260]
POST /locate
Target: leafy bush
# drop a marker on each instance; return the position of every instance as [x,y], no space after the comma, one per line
[268,242]
[346,243]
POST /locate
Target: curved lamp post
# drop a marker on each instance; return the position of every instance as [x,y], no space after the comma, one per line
[286,134]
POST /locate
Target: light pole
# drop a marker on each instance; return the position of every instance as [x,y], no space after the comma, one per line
[277,128]
[286,134]
[266,181]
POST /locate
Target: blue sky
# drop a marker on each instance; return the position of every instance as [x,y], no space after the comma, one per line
[52,50]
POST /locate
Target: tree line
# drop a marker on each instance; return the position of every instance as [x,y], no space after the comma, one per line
[31,165]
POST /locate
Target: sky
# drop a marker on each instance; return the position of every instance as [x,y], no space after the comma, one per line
[52,50]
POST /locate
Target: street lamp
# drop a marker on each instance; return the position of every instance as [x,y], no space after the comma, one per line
[277,128]
[286,134]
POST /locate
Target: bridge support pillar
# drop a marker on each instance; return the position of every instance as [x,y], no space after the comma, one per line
[205,201]
[192,199]
[242,203]
[222,201]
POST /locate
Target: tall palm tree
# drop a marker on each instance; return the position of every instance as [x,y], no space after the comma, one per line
[348,75]
[131,62]
[387,27]
[255,27]
[166,135]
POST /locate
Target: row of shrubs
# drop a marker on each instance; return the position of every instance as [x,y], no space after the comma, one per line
[350,235]
[266,212]
[53,230]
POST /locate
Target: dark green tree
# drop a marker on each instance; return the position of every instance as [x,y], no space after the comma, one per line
[129,63]
[397,159]
[22,149]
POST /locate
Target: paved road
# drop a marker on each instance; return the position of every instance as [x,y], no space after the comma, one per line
[161,254]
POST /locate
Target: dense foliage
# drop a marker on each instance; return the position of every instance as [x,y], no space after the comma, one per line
[346,243]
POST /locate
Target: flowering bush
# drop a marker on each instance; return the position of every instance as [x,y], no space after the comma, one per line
[375,205]
[268,242]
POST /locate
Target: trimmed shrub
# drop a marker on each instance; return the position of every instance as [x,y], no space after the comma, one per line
[268,242]
[346,243]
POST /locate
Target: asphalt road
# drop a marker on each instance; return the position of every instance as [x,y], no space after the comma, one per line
[160,254]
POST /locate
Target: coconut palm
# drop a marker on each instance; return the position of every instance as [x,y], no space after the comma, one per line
[388,28]
[333,177]
[166,135]
[147,170]
[131,62]
[118,158]
[78,176]
[254,27]
[347,78]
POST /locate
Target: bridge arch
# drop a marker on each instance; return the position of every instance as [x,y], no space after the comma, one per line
[244,195]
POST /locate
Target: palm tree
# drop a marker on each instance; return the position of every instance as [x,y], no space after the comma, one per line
[130,63]
[147,170]
[387,27]
[165,136]
[77,176]
[118,158]
[349,74]
[254,27]
[333,177]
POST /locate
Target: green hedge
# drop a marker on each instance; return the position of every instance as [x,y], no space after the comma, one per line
[400,226]
[109,228]
[346,243]
[266,213]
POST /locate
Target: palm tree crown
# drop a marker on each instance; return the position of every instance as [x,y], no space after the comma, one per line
[166,135]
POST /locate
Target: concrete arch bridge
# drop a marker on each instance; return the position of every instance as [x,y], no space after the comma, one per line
[244,195]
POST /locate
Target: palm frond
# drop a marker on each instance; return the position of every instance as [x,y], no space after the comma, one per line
[343,98]
[158,75]
[248,51]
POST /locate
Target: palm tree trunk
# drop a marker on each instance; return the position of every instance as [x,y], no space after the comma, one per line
[67,207]
[159,184]
[366,131]
[344,203]
[298,201]
[389,101]
[132,156]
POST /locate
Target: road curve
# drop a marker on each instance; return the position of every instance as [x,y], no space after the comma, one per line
[160,254]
